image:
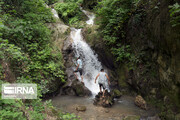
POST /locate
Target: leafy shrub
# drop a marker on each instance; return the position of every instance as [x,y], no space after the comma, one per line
[29,42]
[175,14]
[113,16]
[68,116]
[74,1]
[69,12]
[122,52]
[25,44]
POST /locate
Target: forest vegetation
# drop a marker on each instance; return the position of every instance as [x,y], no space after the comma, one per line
[27,54]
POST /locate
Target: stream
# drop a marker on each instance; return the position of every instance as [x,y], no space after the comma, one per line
[91,66]
[123,107]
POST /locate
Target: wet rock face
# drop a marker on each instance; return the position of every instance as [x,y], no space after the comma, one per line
[159,42]
[72,86]
[140,102]
[75,87]
[80,89]
[107,101]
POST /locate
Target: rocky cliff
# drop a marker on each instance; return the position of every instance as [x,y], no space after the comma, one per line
[157,45]
[155,71]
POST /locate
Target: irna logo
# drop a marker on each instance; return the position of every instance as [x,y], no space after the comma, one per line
[21,91]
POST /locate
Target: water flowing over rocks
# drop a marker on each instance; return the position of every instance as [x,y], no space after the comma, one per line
[74,47]
[72,86]
[63,41]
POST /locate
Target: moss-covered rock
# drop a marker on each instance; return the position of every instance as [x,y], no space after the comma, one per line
[157,48]
[116,93]
[80,88]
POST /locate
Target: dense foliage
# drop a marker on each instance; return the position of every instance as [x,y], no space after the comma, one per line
[28,46]
[69,11]
[113,16]
[175,14]
[27,52]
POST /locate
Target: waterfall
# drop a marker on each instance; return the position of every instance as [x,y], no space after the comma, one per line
[55,13]
[91,65]
[91,17]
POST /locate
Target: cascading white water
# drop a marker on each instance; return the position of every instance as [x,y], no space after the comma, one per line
[55,13]
[91,17]
[91,65]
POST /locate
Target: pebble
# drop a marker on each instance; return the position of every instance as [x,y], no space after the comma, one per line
[107,111]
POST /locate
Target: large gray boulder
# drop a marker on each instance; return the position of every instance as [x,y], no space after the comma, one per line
[76,88]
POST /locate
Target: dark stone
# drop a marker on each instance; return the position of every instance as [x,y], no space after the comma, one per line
[107,101]
[80,89]
[77,88]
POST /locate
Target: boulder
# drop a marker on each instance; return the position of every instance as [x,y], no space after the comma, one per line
[76,88]
[80,88]
[69,91]
[140,102]
[107,101]
[81,108]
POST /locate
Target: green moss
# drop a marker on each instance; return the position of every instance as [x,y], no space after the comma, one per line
[172,95]
[117,93]
[122,76]
[79,90]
